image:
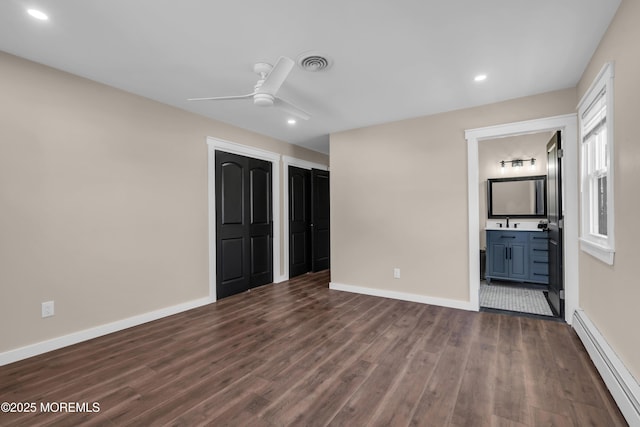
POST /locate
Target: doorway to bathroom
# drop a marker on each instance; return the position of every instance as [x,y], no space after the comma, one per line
[515,197]
[513,149]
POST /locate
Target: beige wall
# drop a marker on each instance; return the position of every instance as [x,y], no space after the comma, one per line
[399,197]
[103,202]
[610,294]
[492,151]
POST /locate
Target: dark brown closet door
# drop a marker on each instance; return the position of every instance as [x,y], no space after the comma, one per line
[320,240]
[243,223]
[299,221]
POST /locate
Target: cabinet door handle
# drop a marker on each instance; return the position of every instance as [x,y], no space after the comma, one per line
[507,237]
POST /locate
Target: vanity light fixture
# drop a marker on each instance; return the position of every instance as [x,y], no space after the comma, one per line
[291,121]
[518,163]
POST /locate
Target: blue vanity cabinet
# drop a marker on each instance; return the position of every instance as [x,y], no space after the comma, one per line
[507,255]
[539,257]
[519,256]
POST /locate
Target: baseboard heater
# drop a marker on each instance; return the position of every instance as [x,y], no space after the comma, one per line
[623,386]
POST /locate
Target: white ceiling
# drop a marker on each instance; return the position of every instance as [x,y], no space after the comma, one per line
[391,59]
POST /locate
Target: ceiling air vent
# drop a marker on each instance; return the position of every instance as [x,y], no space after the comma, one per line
[312,61]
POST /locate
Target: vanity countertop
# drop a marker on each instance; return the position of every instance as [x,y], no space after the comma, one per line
[522,225]
[513,229]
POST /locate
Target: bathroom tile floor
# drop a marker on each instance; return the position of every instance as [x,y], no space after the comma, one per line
[514,297]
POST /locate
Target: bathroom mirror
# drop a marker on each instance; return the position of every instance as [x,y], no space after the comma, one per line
[520,197]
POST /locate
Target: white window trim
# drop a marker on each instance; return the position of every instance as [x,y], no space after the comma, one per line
[597,246]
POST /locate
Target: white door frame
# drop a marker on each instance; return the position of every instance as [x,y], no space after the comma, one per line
[569,127]
[303,164]
[214,144]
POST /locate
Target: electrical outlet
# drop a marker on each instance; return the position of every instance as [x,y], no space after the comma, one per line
[47,309]
[396,273]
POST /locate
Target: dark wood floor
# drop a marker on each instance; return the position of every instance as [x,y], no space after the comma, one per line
[297,353]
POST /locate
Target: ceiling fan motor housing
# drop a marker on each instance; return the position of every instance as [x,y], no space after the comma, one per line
[263,99]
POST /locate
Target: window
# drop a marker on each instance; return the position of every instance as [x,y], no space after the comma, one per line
[595,116]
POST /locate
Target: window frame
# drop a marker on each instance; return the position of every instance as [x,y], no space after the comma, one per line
[600,246]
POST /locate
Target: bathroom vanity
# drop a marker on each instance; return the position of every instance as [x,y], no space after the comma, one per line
[519,255]
[517,250]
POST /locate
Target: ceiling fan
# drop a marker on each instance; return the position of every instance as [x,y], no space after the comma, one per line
[265,90]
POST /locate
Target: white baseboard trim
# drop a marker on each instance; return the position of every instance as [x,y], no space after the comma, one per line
[623,386]
[87,334]
[443,302]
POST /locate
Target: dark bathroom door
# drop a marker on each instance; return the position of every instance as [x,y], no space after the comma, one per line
[244,236]
[556,223]
[320,240]
[299,221]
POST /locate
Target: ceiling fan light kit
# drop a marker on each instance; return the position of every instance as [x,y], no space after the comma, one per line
[265,90]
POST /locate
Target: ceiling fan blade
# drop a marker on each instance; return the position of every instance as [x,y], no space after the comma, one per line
[291,109]
[222,98]
[277,75]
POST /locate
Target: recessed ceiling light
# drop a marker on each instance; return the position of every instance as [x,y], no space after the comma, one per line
[480,77]
[38,14]
[291,121]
